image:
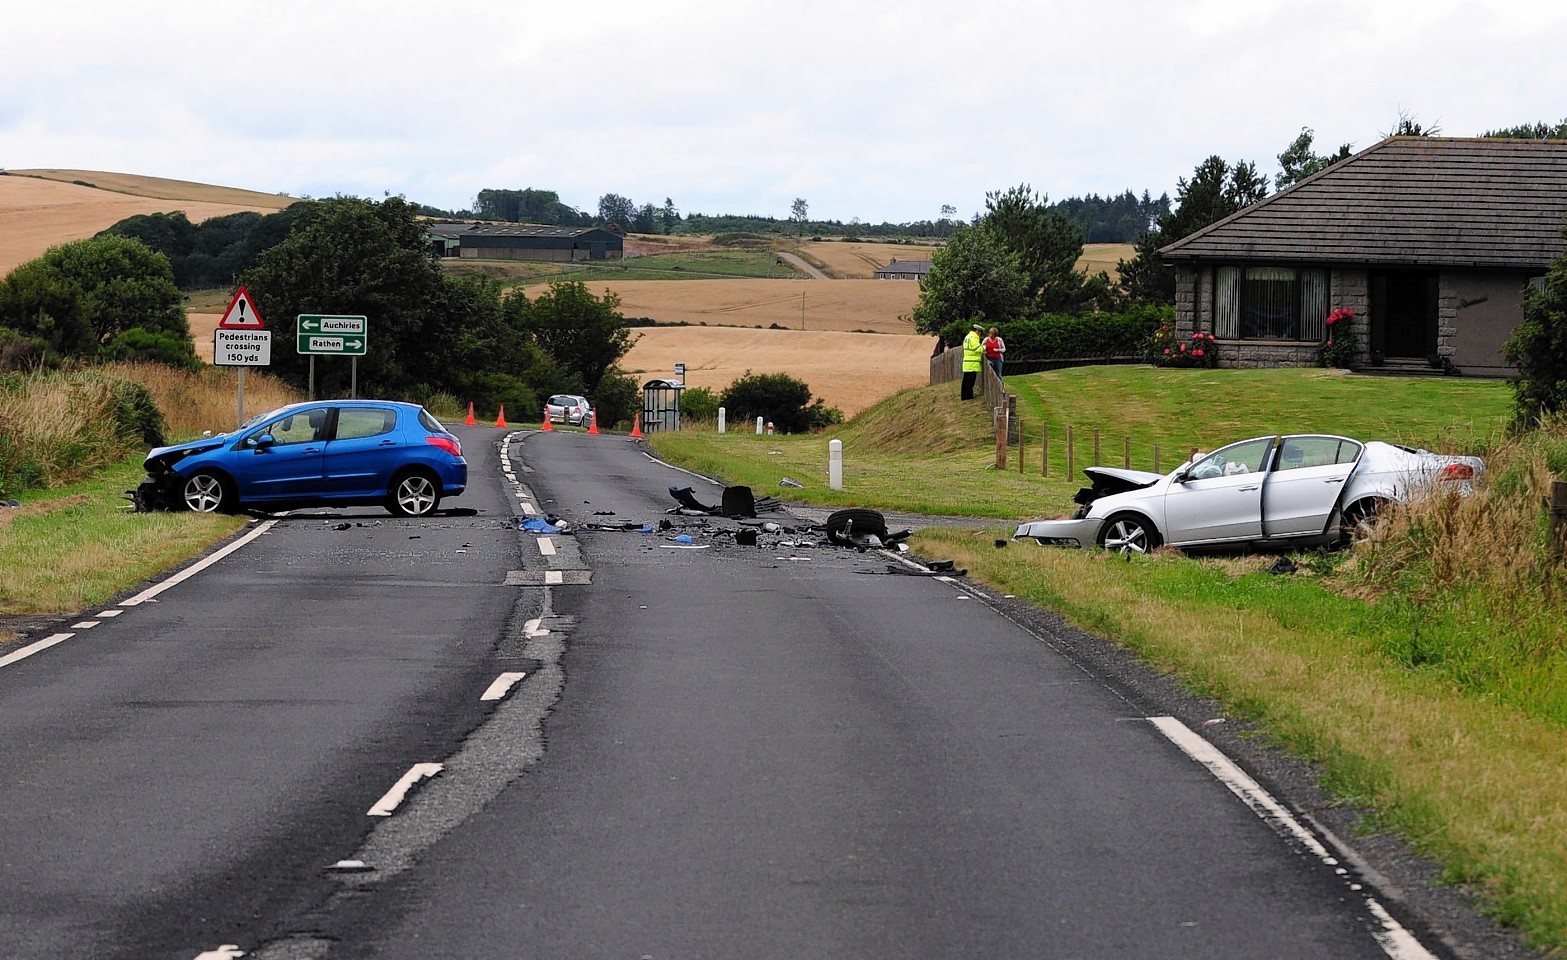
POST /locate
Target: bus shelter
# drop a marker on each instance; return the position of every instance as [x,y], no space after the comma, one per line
[661,405]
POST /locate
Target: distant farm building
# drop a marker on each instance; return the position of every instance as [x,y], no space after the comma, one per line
[904,270]
[488,241]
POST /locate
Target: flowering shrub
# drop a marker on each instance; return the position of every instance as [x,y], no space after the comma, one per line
[1339,347]
[1168,349]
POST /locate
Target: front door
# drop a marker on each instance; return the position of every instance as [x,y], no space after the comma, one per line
[1403,313]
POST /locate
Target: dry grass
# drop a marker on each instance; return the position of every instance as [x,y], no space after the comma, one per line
[858,261]
[205,400]
[850,371]
[40,209]
[881,306]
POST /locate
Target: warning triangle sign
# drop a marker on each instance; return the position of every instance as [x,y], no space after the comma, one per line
[241,314]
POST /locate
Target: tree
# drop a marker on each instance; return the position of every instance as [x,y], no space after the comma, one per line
[1215,191]
[1047,245]
[671,216]
[79,296]
[584,334]
[800,213]
[1530,131]
[1538,348]
[779,399]
[973,278]
[1408,126]
[1298,161]
[617,210]
[646,220]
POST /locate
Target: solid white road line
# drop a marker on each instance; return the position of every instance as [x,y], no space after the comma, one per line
[1397,942]
[33,648]
[385,806]
[503,685]
[546,546]
[194,569]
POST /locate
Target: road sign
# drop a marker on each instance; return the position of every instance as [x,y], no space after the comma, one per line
[680,369]
[242,348]
[241,314]
[343,336]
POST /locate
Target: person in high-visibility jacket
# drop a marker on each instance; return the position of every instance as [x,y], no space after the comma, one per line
[973,359]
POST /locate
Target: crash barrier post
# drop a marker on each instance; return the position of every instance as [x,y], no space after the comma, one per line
[759,426]
[500,418]
[721,420]
[593,421]
[470,421]
[546,427]
[835,464]
[1558,510]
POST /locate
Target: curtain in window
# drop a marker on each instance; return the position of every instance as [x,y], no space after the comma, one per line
[1227,303]
[1269,298]
[1314,306]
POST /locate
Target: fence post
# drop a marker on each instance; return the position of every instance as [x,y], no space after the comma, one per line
[1044,453]
[1126,452]
[1019,425]
[1156,459]
[1096,447]
[1558,508]
[1071,454]
[1001,437]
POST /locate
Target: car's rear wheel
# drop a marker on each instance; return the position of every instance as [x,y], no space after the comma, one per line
[1360,519]
[1129,533]
[206,491]
[414,494]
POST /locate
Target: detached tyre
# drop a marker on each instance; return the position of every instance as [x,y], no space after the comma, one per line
[414,494]
[207,491]
[843,525]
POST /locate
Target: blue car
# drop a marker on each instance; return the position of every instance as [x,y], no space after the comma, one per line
[325,453]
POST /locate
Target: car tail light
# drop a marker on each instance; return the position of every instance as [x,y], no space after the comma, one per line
[1457,471]
[449,444]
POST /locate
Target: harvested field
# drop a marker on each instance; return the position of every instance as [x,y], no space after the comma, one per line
[850,371]
[858,261]
[1103,256]
[881,306]
[36,214]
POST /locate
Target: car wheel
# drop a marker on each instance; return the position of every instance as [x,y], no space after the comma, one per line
[414,494]
[1129,533]
[843,525]
[1360,519]
[207,492]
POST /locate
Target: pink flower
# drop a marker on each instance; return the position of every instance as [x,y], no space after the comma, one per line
[1183,348]
[1167,351]
[1197,352]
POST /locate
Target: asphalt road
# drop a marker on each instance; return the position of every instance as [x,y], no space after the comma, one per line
[647,748]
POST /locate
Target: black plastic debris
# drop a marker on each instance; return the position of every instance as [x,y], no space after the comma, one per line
[342,526]
[746,537]
[1283,565]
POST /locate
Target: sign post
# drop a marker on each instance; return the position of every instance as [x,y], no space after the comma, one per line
[241,340]
[335,335]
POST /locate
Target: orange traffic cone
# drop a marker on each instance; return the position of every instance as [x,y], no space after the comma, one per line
[593,421]
[470,421]
[500,418]
[546,428]
[636,426]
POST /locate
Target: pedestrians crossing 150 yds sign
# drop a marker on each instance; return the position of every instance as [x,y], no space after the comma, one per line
[344,336]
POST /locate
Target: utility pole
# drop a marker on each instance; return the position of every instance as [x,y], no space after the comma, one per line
[802,309]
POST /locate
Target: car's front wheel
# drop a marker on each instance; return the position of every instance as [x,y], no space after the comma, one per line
[1129,533]
[207,492]
[414,494]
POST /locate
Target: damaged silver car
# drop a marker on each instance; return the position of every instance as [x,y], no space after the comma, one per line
[1296,490]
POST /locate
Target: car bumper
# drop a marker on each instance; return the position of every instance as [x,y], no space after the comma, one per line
[1061,533]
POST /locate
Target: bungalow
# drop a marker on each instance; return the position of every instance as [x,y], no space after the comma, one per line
[904,270]
[1431,241]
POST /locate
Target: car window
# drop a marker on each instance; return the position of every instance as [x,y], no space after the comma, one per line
[1237,458]
[428,421]
[1300,452]
[354,422]
[306,426]
[560,401]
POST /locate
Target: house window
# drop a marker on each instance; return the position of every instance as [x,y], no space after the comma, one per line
[1269,303]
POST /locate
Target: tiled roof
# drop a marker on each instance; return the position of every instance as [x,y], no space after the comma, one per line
[1407,200]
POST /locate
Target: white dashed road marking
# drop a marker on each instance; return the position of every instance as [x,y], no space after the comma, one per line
[33,648]
[546,546]
[385,806]
[502,685]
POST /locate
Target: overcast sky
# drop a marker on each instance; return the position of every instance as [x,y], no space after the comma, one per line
[880,111]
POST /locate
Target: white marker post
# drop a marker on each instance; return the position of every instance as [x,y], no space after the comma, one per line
[720,419]
[759,426]
[835,464]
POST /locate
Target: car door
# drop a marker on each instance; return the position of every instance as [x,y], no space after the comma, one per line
[364,451]
[1219,498]
[289,467]
[1305,483]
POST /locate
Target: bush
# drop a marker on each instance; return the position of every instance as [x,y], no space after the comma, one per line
[136,412]
[780,399]
[1338,349]
[699,403]
[151,346]
[1091,335]
[1538,348]
[1168,349]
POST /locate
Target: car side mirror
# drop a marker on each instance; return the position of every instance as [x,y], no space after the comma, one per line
[1180,477]
[264,441]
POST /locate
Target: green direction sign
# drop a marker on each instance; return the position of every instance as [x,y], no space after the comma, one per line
[340,335]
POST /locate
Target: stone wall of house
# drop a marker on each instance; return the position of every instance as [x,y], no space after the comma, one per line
[1351,289]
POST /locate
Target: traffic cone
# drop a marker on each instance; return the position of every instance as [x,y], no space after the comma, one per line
[470,421]
[593,421]
[546,428]
[636,426]
[500,418]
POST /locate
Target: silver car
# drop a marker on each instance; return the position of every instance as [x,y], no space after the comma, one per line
[1299,490]
[567,408]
